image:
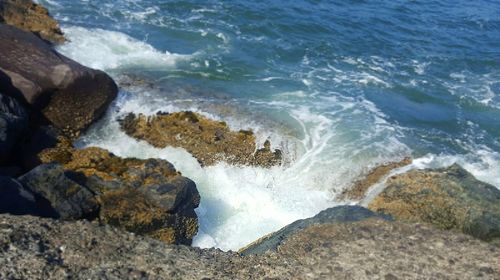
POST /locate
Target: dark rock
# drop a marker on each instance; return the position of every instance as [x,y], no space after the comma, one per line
[67,94]
[148,197]
[69,199]
[340,214]
[13,126]
[28,16]
[15,199]
[449,198]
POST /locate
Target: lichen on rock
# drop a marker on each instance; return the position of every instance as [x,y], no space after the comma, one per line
[359,188]
[207,140]
[147,197]
[29,16]
[448,198]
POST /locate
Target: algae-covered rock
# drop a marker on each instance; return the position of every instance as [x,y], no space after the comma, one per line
[207,140]
[449,198]
[147,197]
[335,215]
[358,190]
[29,16]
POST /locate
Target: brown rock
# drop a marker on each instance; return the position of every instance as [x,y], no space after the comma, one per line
[208,140]
[28,16]
[448,198]
[147,197]
[358,190]
[67,94]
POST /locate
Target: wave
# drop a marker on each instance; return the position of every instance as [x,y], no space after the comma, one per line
[109,50]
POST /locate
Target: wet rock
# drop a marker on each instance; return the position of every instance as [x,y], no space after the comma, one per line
[207,140]
[61,91]
[34,248]
[13,126]
[448,198]
[28,16]
[69,199]
[15,199]
[340,214]
[148,197]
[361,186]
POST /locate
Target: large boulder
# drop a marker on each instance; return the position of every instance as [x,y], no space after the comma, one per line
[67,94]
[148,197]
[13,126]
[29,16]
[448,198]
[209,141]
[339,214]
[70,200]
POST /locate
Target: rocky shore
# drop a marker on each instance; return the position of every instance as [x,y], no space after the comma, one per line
[88,214]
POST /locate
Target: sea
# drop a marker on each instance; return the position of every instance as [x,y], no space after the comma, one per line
[339,86]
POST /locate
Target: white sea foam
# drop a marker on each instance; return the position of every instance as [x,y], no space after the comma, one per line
[108,50]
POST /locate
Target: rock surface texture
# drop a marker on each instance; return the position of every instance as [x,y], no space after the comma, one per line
[35,248]
[147,197]
[449,198]
[28,16]
[67,94]
[207,140]
[68,199]
[358,190]
[335,215]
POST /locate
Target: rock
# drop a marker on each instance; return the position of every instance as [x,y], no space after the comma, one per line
[28,16]
[339,214]
[69,199]
[448,198]
[147,197]
[361,186]
[207,140]
[14,198]
[13,126]
[67,94]
[34,248]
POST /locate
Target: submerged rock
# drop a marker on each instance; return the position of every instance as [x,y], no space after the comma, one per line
[147,197]
[207,140]
[449,198]
[34,248]
[70,200]
[361,186]
[67,94]
[340,214]
[13,126]
[28,16]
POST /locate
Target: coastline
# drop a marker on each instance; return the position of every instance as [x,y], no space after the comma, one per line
[91,190]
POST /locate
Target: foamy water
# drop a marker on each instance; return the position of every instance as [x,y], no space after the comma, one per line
[334,106]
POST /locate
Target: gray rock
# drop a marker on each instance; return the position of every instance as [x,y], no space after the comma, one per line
[13,125]
[69,199]
[69,95]
[340,214]
[34,248]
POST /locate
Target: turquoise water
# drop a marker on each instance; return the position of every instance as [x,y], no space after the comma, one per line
[340,86]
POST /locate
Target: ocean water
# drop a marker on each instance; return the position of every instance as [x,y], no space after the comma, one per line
[339,86]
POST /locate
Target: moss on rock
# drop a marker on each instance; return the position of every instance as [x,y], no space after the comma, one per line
[207,140]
